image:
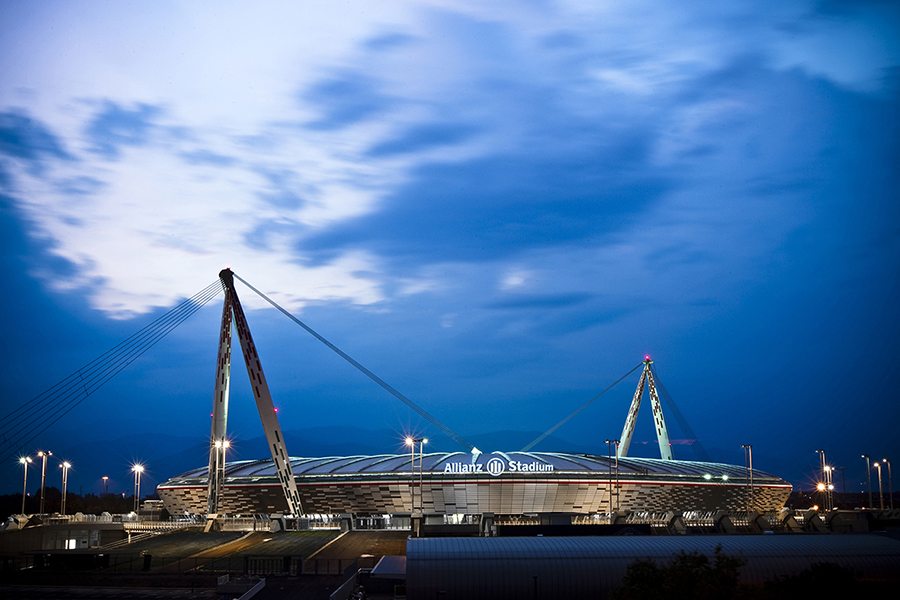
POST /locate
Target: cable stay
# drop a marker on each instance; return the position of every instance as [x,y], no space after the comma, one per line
[682,421]
[578,410]
[33,417]
[466,445]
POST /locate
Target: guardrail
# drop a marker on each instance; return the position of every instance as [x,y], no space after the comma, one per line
[157,525]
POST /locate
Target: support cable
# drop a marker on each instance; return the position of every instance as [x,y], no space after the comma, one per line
[87,368]
[85,378]
[39,420]
[578,410]
[31,418]
[467,446]
[682,422]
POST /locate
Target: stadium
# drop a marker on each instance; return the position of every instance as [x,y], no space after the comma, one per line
[500,483]
[455,484]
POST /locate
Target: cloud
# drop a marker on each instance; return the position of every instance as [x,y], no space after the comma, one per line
[354,165]
[542,301]
[141,231]
[422,137]
[346,99]
[114,127]
[26,139]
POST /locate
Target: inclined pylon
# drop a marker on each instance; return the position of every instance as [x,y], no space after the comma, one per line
[662,434]
[267,412]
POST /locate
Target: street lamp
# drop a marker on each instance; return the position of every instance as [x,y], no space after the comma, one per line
[411,442]
[422,443]
[43,456]
[105,479]
[613,463]
[877,465]
[867,458]
[826,477]
[24,461]
[221,447]
[137,469]
[65,466]
[829,486]
[890,482]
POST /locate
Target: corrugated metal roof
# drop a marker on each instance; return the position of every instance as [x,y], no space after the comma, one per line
[587,567]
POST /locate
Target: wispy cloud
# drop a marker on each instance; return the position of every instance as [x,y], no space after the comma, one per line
[345,166]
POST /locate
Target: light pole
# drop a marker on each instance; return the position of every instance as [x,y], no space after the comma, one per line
[24,461]
[105,479]
[137,469]
[221,447]
[609,458]
[880,489]
[748,462]
[866,458]
[829,487]
[65,466]
[825,474]
[411,442]
[890,482]
[422,443]
[616,444]
[44,456]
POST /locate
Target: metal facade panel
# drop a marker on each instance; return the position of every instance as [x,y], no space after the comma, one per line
[382,484]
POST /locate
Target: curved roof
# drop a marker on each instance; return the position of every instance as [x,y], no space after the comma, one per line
[436,462]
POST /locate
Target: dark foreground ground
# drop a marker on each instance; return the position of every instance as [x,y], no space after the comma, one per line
[313,564]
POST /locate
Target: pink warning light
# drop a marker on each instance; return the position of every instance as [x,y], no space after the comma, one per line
[276,409]
[646,358]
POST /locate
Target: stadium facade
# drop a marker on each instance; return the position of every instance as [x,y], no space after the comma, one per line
[501,483]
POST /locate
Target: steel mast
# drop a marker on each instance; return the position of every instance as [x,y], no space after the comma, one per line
[217,436]
[662,434]
[267,412]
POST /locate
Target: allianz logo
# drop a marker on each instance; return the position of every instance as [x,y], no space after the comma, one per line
[497,466]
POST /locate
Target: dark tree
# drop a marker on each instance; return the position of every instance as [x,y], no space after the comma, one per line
[689,575]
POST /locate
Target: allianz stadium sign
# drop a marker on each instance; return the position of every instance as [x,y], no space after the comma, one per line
[497,466]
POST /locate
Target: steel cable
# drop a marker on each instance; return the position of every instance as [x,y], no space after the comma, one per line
[466,445]
[69,392]
[578,410]
[682,422]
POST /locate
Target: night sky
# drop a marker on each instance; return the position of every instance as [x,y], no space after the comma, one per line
[499,209]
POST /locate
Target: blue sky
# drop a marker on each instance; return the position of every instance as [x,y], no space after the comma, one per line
[497,208]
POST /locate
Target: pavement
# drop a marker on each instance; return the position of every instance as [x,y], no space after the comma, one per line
[49,592]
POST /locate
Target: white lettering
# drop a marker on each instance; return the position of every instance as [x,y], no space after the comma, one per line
[496,466]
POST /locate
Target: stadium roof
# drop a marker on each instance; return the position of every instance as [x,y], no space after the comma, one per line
[576,464]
